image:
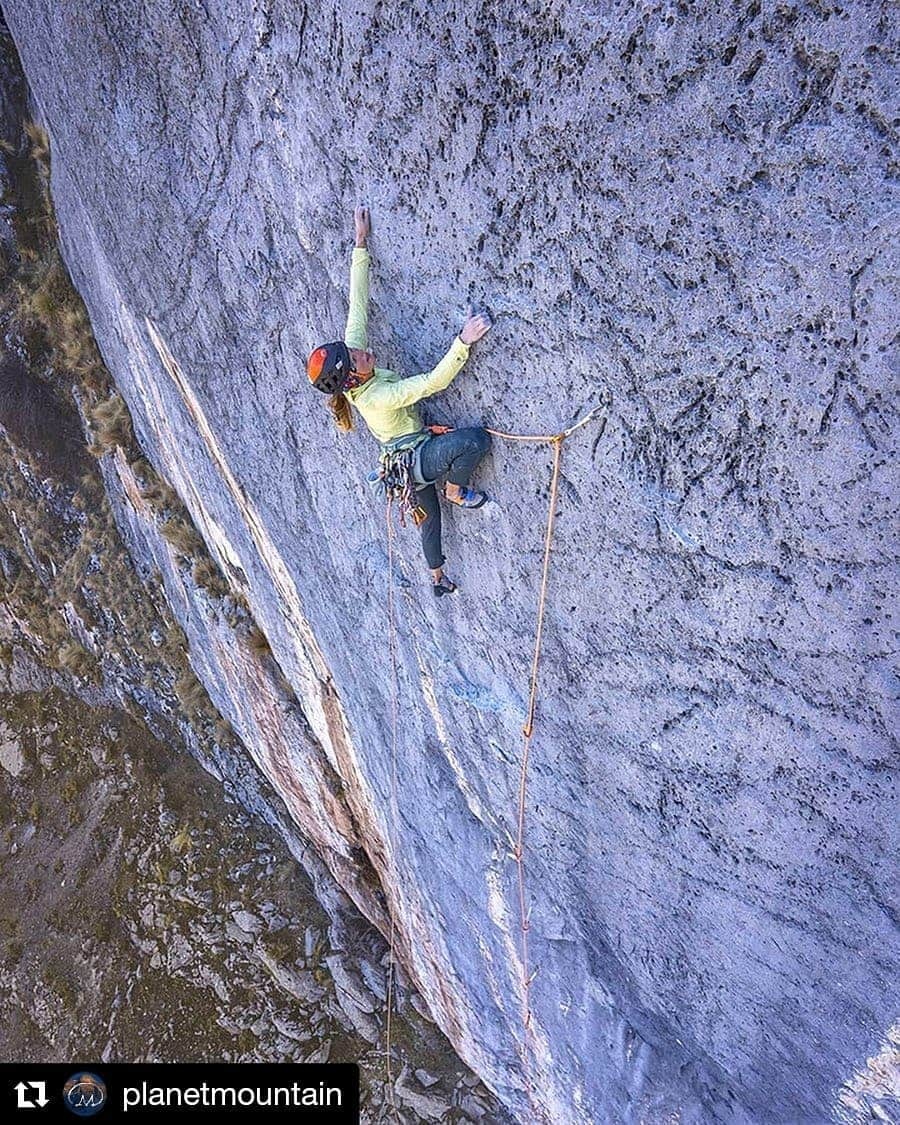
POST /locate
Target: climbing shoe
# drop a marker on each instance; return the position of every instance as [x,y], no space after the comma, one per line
[468,498]
[444,586]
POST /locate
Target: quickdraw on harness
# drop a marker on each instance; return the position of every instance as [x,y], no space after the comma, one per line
[396,476]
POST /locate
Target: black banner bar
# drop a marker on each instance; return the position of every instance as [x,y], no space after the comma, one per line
[317,1093]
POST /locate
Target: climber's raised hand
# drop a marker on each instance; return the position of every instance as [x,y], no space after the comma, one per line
[475,327]
[362,223]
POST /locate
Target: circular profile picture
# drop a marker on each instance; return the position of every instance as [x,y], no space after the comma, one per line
[84,1094]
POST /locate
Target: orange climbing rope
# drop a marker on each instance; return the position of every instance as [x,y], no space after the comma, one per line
[527,731]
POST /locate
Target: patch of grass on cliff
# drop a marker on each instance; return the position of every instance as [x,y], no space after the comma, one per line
[57,980]
[175,644]
[258,641]
[183,840]
[70,787]
[158,493]
[40,148]
[84,567]
[224,732]
[27,598]
[75,658]
[193,697]
[178,528]
[160,496]
[42,300]
[237,609]
[181,534]
[29,164]
[207,575]
[53,319]
[47,305]
[112,425]
[282,946]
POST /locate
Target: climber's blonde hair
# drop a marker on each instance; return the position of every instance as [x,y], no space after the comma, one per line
[340,408]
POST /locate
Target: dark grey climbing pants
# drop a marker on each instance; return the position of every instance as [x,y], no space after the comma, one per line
[454,455]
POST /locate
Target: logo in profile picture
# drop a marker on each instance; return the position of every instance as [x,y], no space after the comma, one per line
[84,1094]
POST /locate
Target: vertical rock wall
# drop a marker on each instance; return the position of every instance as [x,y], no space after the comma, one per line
[687,208]
[214,930]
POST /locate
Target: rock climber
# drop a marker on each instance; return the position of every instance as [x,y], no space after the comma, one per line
[413,456]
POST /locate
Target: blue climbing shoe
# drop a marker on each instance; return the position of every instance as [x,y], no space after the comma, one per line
[444,586]
[468,498]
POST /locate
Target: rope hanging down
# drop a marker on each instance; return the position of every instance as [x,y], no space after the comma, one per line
[556,440]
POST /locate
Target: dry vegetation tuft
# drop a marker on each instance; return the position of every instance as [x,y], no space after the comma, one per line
[183,536]
[112,425]
[76,659]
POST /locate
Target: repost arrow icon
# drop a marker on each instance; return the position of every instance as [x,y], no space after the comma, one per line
[24,1102]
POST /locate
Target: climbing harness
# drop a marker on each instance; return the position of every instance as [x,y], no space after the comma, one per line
[395,476]
[556,440]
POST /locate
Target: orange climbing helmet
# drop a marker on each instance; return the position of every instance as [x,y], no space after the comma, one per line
[329,368]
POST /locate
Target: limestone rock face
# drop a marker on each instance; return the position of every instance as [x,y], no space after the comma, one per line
[688,210]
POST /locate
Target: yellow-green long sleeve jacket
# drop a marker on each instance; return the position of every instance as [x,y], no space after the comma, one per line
[387,401]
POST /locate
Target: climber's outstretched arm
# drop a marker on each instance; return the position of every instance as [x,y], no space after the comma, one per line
[407,391]
[356,334]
